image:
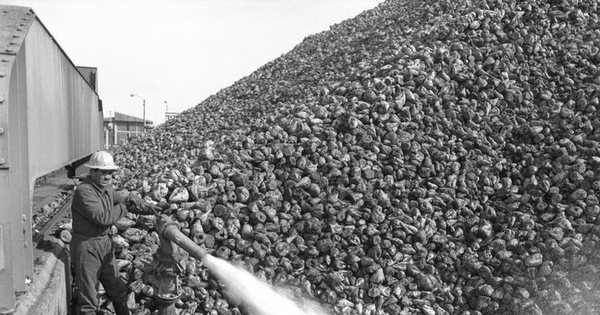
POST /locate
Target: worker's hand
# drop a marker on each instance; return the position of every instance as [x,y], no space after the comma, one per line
[137,205]
[147,209]
[151,209]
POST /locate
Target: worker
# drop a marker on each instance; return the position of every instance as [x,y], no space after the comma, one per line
[95,208]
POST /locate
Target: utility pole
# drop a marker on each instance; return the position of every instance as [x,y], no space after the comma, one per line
[166,111]
[144,104]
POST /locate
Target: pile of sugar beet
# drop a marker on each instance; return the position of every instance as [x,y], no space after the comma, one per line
[424,157]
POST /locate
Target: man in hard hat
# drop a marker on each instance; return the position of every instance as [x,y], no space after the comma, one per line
[95,208]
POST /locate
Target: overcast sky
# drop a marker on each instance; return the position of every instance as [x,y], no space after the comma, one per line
[180,51]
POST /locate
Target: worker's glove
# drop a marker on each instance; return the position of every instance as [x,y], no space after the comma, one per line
[137,205]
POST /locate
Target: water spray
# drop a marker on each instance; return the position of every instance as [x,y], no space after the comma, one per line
[241,285]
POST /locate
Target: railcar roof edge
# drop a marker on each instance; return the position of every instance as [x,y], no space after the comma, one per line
[15,21]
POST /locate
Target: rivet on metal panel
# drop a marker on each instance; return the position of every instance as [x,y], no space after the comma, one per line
[2,131]
[2,161]
[1,99]
[2,74]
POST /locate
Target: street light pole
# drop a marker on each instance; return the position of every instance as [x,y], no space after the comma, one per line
[144,104]
[166,110]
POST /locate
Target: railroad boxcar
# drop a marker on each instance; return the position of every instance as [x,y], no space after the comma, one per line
[50,118]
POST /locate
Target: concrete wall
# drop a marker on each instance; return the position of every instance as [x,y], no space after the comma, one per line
[49,294]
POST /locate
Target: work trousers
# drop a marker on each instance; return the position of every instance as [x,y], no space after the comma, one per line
[94,260]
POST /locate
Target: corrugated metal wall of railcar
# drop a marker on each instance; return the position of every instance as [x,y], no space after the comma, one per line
[64,118]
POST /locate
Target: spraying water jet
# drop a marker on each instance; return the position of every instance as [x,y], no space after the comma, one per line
[241,285]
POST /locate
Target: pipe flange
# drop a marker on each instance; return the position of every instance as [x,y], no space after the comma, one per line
[167,297]
[163,223]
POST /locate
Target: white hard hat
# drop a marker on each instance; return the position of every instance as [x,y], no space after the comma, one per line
[101,160]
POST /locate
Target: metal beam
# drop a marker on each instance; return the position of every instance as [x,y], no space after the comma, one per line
[22,186]
[7,290]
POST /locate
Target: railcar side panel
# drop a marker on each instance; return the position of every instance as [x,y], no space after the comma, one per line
[49,118]
[65,123]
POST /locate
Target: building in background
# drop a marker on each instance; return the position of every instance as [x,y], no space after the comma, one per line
[119,128]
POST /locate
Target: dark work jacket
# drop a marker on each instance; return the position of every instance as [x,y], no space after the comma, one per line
[95,210]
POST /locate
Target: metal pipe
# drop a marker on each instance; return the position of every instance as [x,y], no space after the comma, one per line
[166,268]
[172,240]
[170,230]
